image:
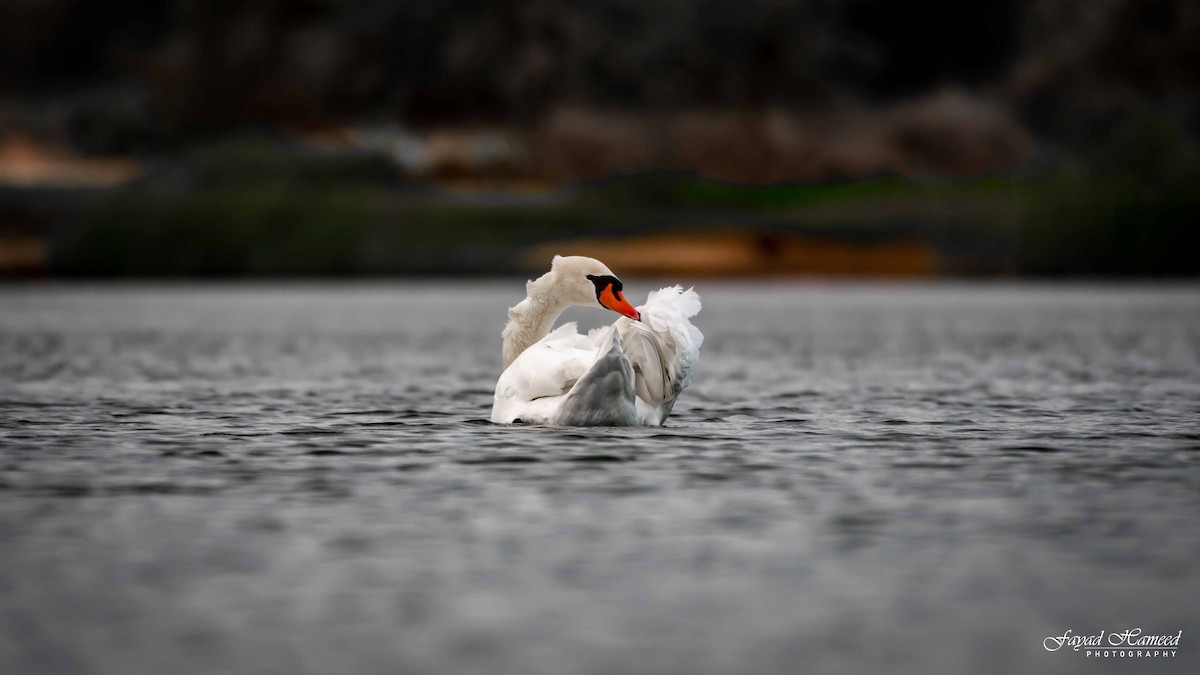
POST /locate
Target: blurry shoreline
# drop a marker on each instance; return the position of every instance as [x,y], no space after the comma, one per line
[466,203]
[277,207]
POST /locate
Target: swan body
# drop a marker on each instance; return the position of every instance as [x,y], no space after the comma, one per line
[629,373]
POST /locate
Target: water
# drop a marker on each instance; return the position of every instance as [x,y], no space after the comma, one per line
[300,479]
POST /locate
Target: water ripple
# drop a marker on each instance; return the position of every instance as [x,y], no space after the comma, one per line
[260,476]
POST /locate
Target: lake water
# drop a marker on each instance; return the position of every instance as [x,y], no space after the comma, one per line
[301,479]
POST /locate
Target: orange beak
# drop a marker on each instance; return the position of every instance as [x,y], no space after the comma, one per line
[615,300]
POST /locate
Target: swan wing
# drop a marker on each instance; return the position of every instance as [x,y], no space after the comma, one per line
[605,395]
[547,369]
[664,346]
[645,349]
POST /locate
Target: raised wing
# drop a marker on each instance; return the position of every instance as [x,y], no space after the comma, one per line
[664,346]
[644,348]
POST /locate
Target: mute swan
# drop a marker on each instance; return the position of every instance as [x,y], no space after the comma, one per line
[629,373]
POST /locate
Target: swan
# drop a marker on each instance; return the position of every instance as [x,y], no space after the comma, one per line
[626,374]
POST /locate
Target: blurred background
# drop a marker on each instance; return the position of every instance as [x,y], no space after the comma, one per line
[203,476]
[864,138]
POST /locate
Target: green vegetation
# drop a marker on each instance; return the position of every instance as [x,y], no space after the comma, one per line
[265,208]
[259,208]
[267,230]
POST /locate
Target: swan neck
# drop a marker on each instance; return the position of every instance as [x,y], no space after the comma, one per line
[530,320]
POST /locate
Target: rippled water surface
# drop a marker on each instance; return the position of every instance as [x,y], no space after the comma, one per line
[301,479]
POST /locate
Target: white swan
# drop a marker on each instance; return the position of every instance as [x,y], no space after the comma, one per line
[629,373]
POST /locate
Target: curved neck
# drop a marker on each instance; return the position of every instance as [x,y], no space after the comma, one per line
[532,318]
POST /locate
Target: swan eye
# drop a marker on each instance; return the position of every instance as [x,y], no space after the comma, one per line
[603,281]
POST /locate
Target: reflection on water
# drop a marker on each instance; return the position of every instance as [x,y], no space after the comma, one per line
[302,479]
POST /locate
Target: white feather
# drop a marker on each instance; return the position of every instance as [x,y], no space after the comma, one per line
[547,382]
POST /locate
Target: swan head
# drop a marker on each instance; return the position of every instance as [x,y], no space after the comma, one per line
[584,281]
